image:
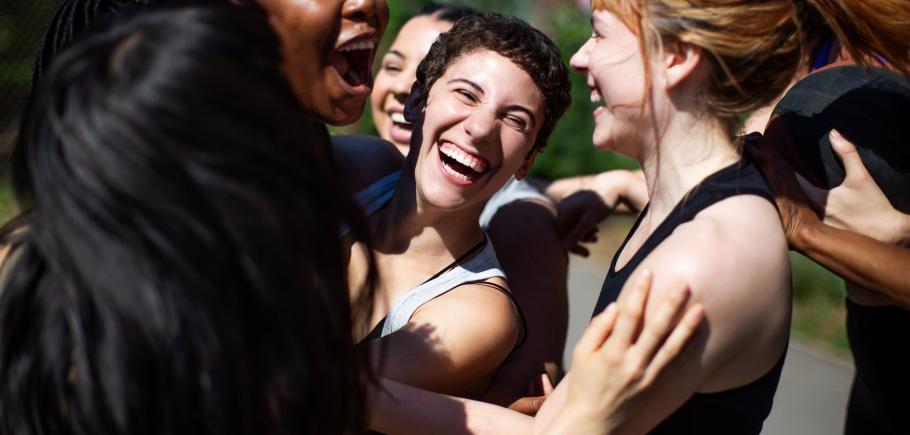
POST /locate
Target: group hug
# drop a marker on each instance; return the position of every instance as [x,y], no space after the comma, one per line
[195,253]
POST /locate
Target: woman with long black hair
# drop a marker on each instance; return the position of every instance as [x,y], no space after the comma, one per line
[172,271]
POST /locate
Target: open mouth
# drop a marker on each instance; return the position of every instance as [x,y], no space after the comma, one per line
[352,62]
[401,129]
[597,101]
[459,164]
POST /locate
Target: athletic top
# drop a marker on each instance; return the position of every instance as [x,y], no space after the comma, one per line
[513,190]
[474,266]
[741,410]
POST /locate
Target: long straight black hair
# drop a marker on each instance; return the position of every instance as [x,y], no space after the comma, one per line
[176,268]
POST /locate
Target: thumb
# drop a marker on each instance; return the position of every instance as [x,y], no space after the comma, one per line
[853,164]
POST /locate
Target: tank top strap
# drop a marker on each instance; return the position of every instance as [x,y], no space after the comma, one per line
[374,196]
[479,267]
[740,178]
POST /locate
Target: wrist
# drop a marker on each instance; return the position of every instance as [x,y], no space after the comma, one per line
[804,238]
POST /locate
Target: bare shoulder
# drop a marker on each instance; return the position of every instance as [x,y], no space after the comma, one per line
[478,315]
[733,256]
[365,159]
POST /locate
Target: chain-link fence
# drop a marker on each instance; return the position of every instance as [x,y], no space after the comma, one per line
[21,25]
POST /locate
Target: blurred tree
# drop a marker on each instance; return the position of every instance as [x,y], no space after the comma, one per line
[570,151]
[21,25]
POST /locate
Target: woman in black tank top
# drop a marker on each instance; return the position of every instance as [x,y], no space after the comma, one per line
[674,82]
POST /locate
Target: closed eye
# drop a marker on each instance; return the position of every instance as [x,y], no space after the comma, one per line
[466,95]
[516,122]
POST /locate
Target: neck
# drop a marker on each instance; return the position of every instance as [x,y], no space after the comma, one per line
[689,149]
[409,224]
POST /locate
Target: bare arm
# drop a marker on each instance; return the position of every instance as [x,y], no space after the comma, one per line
[859,259]
[617,373]
[744,288]
[452,344]
[530,252]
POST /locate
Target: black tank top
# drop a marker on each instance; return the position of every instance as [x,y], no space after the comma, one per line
[741,410]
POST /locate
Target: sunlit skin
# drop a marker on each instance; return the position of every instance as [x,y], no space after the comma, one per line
[487,107]
[487,111]
[329,47]
[610,53]
[733,254]
[397,73]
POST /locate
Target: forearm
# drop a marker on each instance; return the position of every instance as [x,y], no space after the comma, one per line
[401,409]
[860,259]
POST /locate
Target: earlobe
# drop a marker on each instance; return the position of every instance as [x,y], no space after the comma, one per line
[682,60]
[413,105]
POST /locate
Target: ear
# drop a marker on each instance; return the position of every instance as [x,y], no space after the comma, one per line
[414,104]
[522,170]
[681,61]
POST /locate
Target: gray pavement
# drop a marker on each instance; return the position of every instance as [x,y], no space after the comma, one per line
[814,387]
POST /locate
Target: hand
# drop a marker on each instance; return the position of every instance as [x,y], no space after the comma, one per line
[858,204]
[537,394]
[615,366]
[577,217]
[796,214]
[588,201]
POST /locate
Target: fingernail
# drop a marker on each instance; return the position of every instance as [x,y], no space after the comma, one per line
[837,140]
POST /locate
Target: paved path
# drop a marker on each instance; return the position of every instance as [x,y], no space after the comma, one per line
[812,395]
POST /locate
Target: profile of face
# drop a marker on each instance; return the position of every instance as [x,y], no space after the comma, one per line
[329,47]
[397,73]
[611,60]
[478,126]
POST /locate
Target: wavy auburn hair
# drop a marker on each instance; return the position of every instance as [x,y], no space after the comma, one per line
[756,48]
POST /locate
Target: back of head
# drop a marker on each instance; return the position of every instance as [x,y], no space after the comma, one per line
[515,40]
[446,12]
[179,272]
[755,48]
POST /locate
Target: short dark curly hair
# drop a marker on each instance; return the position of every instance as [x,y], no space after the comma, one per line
[515,40]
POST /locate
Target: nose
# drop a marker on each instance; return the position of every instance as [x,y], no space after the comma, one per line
[480,124]
[579,60]
[371,11]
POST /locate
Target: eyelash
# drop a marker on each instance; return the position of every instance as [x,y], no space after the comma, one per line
[515,121]
[391,67]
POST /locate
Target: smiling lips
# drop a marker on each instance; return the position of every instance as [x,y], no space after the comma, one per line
[461,165]
[352,61]
[401,129]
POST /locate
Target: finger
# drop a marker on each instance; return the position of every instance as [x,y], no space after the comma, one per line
[580,250]
[631,309]
[597,331]
[546,385]
[528,405]
[673,349]
[853,163]
[659,327]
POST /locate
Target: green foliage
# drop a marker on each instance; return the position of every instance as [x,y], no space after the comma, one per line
[569,151]
[21,24]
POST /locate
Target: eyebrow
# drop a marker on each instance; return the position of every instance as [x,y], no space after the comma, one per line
[397,53]
[512,107]
[525,110]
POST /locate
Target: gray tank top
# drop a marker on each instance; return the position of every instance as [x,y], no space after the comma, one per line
[479,267]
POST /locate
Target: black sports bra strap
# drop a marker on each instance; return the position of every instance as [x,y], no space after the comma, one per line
[523,335]
[468,254]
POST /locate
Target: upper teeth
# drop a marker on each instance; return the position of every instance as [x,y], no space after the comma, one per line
[595,97]
[398,118]
[452,151]
[362,45]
